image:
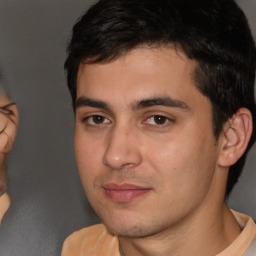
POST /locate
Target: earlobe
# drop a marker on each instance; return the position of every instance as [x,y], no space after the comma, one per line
[236,136]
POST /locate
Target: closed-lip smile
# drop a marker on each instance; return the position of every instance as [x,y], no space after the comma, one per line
[124,192]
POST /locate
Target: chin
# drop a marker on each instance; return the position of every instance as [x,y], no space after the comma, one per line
[129,230]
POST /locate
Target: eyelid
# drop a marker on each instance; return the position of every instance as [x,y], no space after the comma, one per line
[97,124]
[87,118]
[169,119]
[153,116]
[83,115]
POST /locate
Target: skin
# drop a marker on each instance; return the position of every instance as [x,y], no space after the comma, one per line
[8,130]
[147,157]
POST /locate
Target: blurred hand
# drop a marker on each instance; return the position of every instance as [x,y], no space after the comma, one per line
[8,131]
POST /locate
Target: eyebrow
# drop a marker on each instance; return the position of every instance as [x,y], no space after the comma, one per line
[160,101]
[140,104]
[88,102]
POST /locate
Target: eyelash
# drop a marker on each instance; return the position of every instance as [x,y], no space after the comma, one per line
[91,121]
[92,118]
[154,118]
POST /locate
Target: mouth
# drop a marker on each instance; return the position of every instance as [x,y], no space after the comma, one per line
[124,192]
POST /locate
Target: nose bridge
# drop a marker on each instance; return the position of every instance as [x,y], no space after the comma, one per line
[121,148]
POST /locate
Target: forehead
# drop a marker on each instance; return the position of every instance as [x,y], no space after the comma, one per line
[142,72]
[139,53]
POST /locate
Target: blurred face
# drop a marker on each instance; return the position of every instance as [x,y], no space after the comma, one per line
[144,141]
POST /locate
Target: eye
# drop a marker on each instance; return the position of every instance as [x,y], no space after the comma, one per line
[96,120]
[157,120]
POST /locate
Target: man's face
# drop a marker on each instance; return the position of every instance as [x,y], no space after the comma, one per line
[144,143]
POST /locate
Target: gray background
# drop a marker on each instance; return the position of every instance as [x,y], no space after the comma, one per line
[47,199]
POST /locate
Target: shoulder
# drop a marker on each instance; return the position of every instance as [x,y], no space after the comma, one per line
[93,240]
[251,251]
[244,244]
[5,202]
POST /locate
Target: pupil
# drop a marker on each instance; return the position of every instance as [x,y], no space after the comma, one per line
[98,119]
[160,119]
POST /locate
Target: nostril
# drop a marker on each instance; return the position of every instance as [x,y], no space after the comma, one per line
[118,158]
[121,150]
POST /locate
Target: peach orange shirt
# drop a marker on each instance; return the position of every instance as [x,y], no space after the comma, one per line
[4,204]
[97,241]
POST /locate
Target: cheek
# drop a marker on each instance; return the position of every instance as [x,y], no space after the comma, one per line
[168,156]
[183,162]
[88,161]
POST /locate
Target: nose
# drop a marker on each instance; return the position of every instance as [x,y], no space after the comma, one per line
[122,149]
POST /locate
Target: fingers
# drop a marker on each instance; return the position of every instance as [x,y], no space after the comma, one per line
[11,111]
[8,127]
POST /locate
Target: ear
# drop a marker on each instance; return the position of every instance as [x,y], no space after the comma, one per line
[236,135]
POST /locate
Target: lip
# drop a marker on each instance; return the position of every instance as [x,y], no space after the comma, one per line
[124,192]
